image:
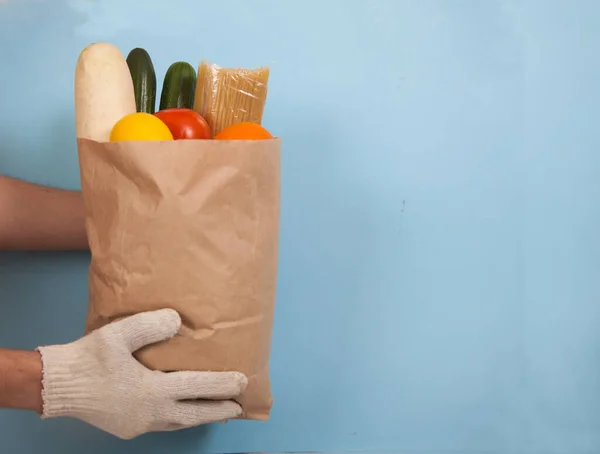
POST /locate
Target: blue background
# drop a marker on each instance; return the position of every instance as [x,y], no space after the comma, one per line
[439,281]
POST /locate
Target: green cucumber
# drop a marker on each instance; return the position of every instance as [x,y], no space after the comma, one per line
[144,80]
[179,86]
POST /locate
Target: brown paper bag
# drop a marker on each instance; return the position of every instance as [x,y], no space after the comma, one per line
[191,225]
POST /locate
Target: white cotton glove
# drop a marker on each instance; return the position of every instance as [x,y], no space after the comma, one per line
[97,379]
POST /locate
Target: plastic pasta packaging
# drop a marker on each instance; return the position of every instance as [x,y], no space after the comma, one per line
[225,96]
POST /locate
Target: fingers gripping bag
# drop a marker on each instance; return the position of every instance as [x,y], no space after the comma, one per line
[180,222]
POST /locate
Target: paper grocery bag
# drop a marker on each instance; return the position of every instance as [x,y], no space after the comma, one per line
[191,225]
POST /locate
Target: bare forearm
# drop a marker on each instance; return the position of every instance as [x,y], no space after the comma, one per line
[34,217]
[20,380]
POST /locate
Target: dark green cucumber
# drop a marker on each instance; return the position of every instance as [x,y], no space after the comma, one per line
[144,80]
[179,86]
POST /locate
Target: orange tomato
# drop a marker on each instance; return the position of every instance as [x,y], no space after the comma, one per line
[244,131]
[140,126]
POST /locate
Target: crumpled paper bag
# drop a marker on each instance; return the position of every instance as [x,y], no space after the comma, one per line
[191,225]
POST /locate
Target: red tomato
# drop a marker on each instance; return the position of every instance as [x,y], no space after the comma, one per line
[185,123]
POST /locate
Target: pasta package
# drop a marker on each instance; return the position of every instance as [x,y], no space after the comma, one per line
[225,96]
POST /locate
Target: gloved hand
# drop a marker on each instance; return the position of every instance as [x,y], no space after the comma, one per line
[97,379]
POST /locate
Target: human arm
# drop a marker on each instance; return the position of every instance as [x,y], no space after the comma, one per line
[35,217]
[20,380]
[98,380]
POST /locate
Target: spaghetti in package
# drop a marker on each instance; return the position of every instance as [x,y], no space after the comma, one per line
[225,96]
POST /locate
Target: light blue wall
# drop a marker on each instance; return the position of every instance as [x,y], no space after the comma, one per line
[440,255]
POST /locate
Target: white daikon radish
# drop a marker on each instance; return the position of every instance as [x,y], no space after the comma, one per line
[103,91]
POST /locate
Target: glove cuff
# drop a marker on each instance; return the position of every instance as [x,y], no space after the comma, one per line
[67,379]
